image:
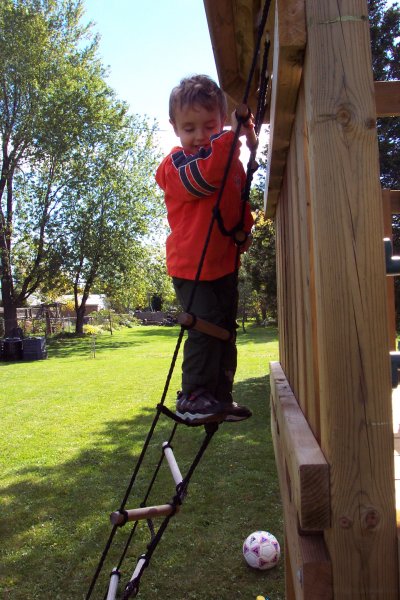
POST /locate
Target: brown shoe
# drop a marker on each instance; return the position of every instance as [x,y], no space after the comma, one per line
[234,412]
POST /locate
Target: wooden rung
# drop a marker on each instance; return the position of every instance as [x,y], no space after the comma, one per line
[147,512]
[188,320]
[113,587]
[173,465]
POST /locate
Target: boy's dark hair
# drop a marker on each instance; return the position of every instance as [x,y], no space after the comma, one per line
[197,89]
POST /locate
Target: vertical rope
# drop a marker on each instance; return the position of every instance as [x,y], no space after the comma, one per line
[259,116]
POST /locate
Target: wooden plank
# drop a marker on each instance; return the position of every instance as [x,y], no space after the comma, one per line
[233,28]
[288,43]
[291,309]
[388,233]
[290,592]
[395,201]
[351,319]
[307,468]
[387,98]
[310,576]
[282,282]
[309,404]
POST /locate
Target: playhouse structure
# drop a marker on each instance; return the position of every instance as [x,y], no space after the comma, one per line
[331,395]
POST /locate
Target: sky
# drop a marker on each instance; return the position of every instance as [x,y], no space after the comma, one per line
[148,47]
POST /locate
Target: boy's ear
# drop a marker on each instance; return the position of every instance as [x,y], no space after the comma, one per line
[174,127]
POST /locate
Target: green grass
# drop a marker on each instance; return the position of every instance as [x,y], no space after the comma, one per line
[72,428]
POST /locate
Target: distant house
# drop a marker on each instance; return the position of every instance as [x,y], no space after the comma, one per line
[94,303]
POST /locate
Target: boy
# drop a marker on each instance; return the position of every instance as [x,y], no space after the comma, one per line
[190,177]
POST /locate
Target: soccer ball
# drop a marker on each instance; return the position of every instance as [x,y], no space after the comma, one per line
[261,550]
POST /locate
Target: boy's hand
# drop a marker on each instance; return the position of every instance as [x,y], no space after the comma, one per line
[243,240]
[246,245]
[243,115]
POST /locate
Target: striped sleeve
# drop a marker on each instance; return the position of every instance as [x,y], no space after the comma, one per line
[190,175]
[201,173]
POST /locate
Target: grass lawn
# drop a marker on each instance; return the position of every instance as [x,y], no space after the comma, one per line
[72,428]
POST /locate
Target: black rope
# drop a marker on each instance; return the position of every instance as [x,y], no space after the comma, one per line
[261,28]
[132,588]
[211,428]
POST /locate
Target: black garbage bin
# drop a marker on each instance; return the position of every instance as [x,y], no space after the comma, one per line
[12,349]
[34,348]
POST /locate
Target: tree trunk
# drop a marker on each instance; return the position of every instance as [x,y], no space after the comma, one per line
[10,308]
[80,316]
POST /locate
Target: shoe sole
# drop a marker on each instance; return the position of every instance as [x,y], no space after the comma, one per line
[198,418]
[234,418]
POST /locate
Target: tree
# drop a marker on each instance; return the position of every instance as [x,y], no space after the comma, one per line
[146,277]
[52,91]
[107,208]
[385,47]
[259,263]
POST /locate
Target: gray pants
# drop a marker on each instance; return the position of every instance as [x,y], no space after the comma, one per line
[207,361]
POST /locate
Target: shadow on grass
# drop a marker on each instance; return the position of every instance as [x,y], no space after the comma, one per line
[78,346]
[55,519]
[82,346]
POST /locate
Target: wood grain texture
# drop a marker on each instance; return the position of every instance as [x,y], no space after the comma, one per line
[387,98]
[351,317]
[306,466]
[288,43]
[309,572]
[388,233]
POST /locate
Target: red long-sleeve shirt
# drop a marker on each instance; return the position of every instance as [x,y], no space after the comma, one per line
[191,185]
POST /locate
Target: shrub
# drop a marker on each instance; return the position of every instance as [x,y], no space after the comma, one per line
[91,330]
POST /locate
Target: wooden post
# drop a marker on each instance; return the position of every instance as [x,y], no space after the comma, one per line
[351,316]
[387,233]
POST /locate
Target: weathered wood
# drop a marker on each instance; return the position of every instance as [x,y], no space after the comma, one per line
[290,592]
[351,319]
[232,31]
[387,98]
[288,43]
[388,233]
[306,466]
[311,572]
[295,275]
[395,201]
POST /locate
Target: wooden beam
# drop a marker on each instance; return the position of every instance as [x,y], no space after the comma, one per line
[350,283]
[307,468]
[233,27]
[288,43]
[310,575]
[387,98]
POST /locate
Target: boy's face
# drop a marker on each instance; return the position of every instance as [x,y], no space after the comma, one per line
[195,124]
